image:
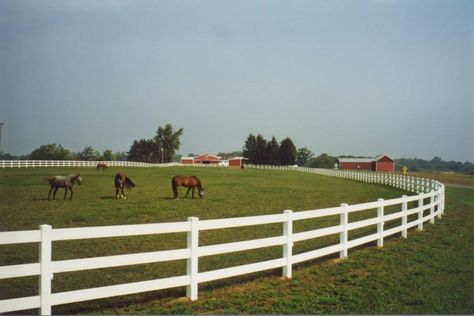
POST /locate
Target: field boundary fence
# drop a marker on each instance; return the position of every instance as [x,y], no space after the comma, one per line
[426,202]
[78,164]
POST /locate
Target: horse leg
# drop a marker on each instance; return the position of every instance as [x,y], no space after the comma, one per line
[123,194]
[193,192]
[50,190]
[189,189]
[54,193]
[65,192]
[70,190]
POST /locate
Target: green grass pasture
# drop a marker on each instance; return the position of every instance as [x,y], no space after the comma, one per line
[317,287]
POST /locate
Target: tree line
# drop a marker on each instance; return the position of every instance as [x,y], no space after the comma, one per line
[436,164]
[58,152]
[161,148]
[260,151]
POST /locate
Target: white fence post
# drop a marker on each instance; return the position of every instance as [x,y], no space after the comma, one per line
[288,246]
[432,208]
[420,212]
[46,274]
[380,223]
[343,237]
[192,262]
[404,216]
[440,201]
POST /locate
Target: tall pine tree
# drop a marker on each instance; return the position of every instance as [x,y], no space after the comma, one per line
[273,157]
[287,152]
[249,149]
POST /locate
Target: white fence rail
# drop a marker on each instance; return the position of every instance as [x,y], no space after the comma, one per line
[77,163]
[46,235]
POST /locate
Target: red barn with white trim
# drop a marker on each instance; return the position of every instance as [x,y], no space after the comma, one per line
[237,162]
[202,159]
[381,163]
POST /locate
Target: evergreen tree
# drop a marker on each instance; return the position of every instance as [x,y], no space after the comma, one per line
[261,150]
[287,152]
[273,156]
[249,149]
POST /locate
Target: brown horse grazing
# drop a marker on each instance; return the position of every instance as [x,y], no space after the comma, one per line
[121,180]
[187,182]
[101,165]
[63,182]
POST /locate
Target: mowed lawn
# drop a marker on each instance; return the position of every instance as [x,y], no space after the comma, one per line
[430,272]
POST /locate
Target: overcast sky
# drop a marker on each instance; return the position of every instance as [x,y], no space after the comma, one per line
[342,77]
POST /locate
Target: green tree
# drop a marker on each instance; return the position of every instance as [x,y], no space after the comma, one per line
[287,152]
[168,141]
[50,152]
[273,155]
[303,156]
[6,156]
[322,161]
[249,149]
[261,150]
[89,154]
[109,155]
[121,155]
[144,150]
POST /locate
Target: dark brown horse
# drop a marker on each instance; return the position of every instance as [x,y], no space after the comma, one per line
[121,180]
[188,182]
[63,182]
[101,165]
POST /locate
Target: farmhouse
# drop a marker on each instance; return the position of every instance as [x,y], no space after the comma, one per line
[206,159]
[380,163]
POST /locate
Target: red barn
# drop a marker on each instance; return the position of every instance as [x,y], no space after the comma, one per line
[187,160]
[202,159]
[237,162]
[381,163]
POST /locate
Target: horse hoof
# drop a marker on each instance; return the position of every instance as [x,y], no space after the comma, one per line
[124,198]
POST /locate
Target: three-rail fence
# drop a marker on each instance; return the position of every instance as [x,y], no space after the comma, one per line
[427,203]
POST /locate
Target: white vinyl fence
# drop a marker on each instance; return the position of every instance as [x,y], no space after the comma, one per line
[77,163]
[428,190]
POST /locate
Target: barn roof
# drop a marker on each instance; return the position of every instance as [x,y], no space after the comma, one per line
[364,159]
[207,156]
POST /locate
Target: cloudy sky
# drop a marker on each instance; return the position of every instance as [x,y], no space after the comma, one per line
[342,77]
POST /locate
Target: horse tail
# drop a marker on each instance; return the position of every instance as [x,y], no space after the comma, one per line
[174,186]
[129,183]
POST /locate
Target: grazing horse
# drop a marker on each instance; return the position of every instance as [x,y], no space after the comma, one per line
[121,180]
[63,182]
[101,165]
[187,182]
